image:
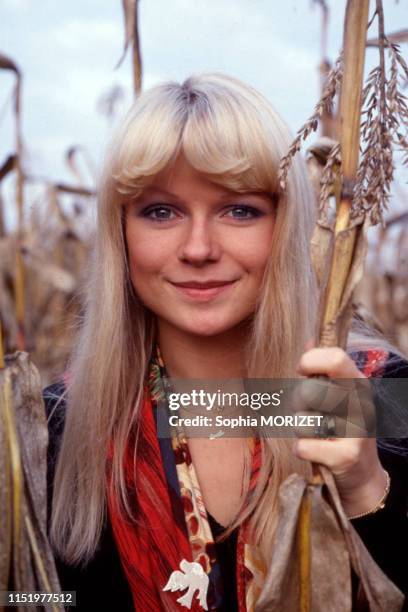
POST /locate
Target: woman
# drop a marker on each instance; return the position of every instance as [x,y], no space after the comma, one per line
[201,270]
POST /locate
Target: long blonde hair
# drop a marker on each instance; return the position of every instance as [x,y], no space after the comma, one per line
[228,131]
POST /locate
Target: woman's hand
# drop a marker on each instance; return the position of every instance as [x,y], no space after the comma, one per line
[354,462]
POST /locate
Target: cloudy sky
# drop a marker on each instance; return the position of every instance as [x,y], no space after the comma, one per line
[67,52]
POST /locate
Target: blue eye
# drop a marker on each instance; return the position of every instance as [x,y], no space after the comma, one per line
[244,212]
[159,213]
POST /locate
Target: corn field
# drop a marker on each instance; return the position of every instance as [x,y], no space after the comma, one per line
[45,252]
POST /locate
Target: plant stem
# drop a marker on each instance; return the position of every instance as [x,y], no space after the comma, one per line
[355,34]
[304,527]
[1,348]
[136,55]
[381,49]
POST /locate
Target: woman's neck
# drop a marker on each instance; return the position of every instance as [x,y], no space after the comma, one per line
[190,356]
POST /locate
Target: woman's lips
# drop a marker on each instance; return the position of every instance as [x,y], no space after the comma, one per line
[205,291]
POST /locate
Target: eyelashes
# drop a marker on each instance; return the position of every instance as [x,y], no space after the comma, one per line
[160,213]
[245,212]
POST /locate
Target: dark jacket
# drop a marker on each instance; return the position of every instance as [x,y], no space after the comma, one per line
[102,585]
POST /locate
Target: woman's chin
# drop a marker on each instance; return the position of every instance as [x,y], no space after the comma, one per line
[207,329]
[205,325]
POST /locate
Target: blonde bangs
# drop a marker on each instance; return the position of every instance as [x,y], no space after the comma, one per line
[148,141]
[216,141]
[226,137]
[229,135]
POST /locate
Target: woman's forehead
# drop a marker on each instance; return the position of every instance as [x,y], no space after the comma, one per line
[181,173]
[180,176]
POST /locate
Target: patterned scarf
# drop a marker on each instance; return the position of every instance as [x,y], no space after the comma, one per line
[171,525]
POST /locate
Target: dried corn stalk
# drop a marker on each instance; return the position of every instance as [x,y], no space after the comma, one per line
[26,561]
[327,120]
[384,126]
[71,158]
[7,64]
[338,248]
[109,101]
[55,251]
[130,11]
[7,167]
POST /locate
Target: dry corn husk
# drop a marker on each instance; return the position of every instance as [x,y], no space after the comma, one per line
[330,588]
[26,561]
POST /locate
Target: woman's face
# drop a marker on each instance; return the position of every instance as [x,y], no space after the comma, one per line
[198,251]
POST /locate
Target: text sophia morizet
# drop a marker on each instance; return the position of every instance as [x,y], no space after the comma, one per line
[246,421]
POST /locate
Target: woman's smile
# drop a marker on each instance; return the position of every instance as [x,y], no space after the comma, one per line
[203,291]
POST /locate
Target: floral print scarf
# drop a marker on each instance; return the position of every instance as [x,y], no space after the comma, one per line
[170,519]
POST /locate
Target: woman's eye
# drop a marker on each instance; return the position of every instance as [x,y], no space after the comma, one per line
[159,213]
[244,212]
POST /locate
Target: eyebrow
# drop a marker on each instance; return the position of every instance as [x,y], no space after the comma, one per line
[227,193]
[157,192]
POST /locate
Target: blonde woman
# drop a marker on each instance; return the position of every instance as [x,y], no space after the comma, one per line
[201,269]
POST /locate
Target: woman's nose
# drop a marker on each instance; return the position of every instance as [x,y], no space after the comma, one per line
[199,243]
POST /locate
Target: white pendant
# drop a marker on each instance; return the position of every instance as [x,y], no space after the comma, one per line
[193,578]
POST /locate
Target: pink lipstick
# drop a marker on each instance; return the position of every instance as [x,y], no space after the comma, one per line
[203,291]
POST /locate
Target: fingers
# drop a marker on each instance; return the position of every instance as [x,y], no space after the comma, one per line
[332,362]
[311,392]
[336,387]
[319,394]
[346,406]
[355,465]
[327,426]
[347,409]
[339,455]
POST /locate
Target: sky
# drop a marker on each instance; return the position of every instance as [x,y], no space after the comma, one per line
[67,52]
